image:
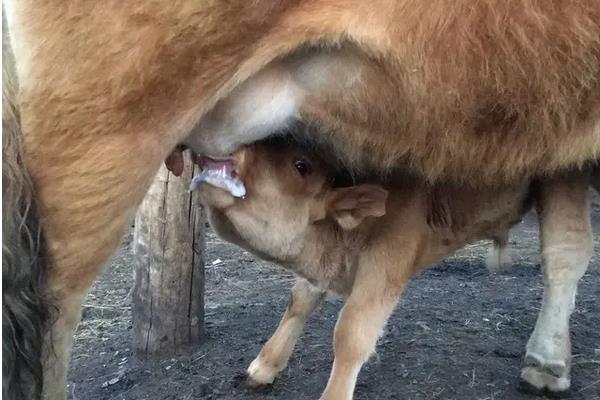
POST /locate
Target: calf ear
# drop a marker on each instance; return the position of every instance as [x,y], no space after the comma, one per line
[350,206]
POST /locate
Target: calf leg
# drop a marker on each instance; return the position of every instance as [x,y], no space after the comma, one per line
[360,324]
[274,356]
[498,259]
[566,242]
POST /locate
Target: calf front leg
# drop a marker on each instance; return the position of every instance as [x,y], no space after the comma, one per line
[360,324]
[566,239]
[275,354]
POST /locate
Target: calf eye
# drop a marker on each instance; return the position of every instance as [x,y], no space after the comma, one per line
[302,167]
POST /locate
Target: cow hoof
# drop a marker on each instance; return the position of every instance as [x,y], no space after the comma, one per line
[545,376]
[260,374]
[527,388]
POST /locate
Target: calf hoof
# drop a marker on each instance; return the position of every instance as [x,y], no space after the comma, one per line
[545,376]
[261,374]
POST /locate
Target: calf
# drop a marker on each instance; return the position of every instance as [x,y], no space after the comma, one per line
[365,241]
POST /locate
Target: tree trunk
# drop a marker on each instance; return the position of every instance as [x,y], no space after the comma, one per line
[168,298]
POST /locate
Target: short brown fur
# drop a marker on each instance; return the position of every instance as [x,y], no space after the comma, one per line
[480,92]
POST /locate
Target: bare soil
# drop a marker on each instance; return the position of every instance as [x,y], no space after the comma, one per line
[459,332]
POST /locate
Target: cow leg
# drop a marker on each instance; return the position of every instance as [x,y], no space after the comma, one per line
[93,140]
[57,348]
[566,243]
[274,356]
[82,233]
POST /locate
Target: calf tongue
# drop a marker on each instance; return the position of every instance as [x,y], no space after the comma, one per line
[219,172]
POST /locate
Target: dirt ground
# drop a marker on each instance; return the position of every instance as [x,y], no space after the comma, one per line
[459,332]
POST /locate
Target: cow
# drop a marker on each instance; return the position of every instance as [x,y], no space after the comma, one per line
[482,92]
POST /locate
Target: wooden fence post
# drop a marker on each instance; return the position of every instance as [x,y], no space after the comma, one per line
[168,298]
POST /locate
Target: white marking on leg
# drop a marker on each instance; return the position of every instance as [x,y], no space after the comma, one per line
[549,348]
[261,373]
[566,241]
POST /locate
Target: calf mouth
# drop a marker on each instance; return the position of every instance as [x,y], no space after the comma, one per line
[219,172]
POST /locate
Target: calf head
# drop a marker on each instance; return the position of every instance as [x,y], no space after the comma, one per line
[290,200]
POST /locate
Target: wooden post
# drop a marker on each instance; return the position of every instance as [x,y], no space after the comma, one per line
[168,298]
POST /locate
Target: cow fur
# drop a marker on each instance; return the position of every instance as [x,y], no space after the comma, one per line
[467,91]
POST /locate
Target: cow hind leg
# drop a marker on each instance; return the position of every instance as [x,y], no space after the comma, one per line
[274,356]
[566,242]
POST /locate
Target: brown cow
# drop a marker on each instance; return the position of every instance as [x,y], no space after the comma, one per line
[295,213]
[484,92]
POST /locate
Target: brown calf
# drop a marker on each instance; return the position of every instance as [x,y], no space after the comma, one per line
[337,239]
